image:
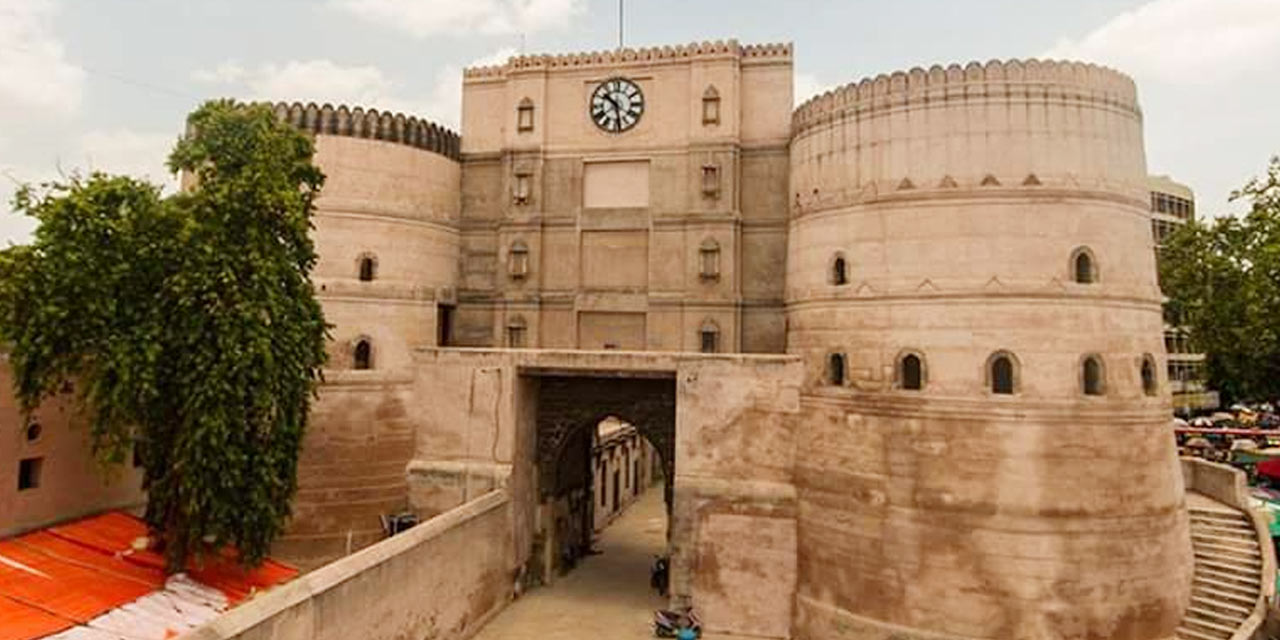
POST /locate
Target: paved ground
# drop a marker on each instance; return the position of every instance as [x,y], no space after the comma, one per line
[606,597]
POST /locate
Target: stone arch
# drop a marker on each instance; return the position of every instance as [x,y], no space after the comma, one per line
[910,372]
[1083,267]
[1002,373]
[362,353]
[838,269]
[836,373]
[648,404]
[1149,375]
[1093,375]
[367,267]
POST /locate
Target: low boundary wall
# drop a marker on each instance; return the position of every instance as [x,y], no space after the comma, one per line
[444,578]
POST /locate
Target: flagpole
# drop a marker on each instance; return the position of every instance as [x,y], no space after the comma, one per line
[620,24]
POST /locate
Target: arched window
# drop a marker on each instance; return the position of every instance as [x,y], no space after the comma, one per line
[1002,373]
[1091,376]
[709,335]
[518,260]
[524,115]
[363,356]
[839,271]
[709,260]
[910,372]
[710,106]
[368,268]
[1149,385]
[835,369]
[1084,269]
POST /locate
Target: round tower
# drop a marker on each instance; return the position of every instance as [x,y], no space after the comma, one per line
[386,232]
[970,279]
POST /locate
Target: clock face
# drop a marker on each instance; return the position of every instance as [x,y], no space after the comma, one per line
[616,105]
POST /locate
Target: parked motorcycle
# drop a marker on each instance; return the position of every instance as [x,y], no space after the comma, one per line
[674,624]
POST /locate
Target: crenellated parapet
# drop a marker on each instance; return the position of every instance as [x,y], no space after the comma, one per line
[359,123]
[772,52]
[1014,79]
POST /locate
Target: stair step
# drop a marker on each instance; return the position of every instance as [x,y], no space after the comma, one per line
[1229,620]
[1214,518]
[1192,634]
[1241,542]
[1209,625]
[1242,532]
[1250,582]
[1238,592]
[1209,602]
[1243,562]
[1241,569]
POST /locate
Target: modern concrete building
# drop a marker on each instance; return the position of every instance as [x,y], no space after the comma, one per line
[1172,205]
[896,352]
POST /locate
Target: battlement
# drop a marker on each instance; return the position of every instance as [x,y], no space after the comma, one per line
[771,52]
[372,124]
[1014,78]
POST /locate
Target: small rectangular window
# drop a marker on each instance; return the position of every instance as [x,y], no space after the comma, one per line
[522,187]
[515,337]
[709,342]
[29,473]
[524,117]
[710,180]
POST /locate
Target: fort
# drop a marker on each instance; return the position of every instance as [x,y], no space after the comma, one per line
[894,351]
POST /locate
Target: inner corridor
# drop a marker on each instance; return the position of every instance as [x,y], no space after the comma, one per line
[606,596]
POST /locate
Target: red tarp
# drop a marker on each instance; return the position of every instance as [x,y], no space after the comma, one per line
[53,579]
[1269,468]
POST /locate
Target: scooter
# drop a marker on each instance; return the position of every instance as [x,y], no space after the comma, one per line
[673,624]
[659,575]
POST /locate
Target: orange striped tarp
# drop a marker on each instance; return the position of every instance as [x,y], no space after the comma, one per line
[53,579]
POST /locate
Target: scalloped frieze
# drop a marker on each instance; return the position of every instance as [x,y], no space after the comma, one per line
[358,123]
[780,51]
[1029,79]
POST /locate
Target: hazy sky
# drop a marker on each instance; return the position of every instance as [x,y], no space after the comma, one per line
[105,84]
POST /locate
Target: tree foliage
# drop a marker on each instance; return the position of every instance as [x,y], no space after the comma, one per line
[1223,283]
[188,324]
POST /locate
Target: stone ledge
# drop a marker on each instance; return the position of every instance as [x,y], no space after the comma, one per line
[280,599]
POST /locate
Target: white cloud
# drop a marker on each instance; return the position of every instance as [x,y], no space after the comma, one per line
[807,85]
[35,75]
[122,151]
[1186,41]
[225,72]
[423,18]
[1204,70]
[368,86]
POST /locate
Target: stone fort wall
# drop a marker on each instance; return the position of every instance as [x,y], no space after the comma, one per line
[958,200]
[390,208]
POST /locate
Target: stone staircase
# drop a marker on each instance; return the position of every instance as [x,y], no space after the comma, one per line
[1226,588]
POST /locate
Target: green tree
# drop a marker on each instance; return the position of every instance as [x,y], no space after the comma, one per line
[1223,282]
[187,324]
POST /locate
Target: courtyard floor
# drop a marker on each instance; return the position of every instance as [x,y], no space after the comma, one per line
[606,597]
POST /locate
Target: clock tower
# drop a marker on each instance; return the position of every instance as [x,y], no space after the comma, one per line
[631,199]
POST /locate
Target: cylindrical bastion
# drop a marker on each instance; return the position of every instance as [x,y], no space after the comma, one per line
[984,447]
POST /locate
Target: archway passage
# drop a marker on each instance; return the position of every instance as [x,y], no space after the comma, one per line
[570,410]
